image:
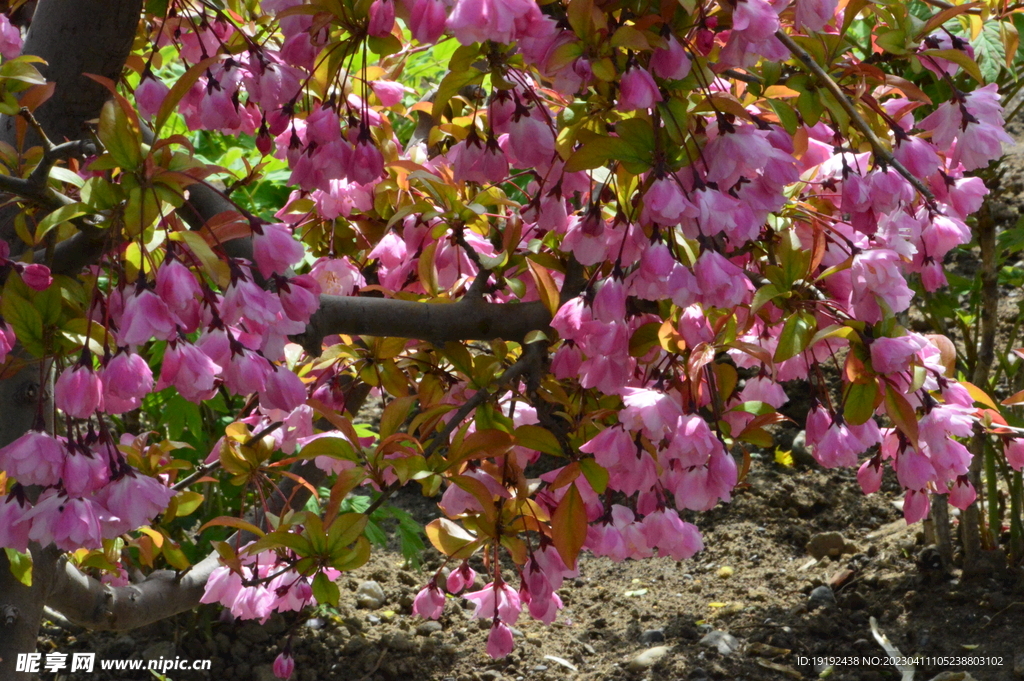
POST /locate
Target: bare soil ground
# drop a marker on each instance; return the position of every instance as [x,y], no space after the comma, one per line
[755,581]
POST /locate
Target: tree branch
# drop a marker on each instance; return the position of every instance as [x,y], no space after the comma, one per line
[858,121]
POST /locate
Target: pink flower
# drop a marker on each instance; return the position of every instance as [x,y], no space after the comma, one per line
[530,140]
[1012,448]
[382,18]
[654,412]
[37,277]
[501,600]
[477,21]
[426,20]
[962,494]
[300,297]
[284,666]
[84,473]
[499,641]
[78,391]
[915,505]
[245,301]
[190,370]
[35,458]
[812,15]
[135,499]
[223,586]
[670,535]
[246,372]
[78,525]
[367,163]
[914,470]
[150,95]
[429,602]
[721,283]
[284,390]
[893,355]
[388,92]
[756,19]
[917,155]
[876,272]
[869,475]
[670,63]
[340,277]
[637,90]
[126,379]
[13,532]
[10,38]
[7,340]
[178,289]
[146,316]
[460,578]
[275,249]
[665,202]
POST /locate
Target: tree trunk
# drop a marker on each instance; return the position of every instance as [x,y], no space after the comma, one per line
[74,37]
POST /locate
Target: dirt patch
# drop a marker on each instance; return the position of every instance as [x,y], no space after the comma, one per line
[755,581]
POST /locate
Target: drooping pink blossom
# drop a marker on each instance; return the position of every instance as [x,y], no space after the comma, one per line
[10,38]
[427,20]
[78,391]
[637,90]
[145,316]
[429,602]
[284,390]
[35,458]
[190,370]
[499,641]
[284,666]
[499,600]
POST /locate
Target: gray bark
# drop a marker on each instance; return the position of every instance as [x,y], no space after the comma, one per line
[84,36]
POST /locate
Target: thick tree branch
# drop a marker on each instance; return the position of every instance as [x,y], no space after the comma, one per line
[858,121]
[468,319]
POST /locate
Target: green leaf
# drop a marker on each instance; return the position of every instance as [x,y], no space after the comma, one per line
[25,318]
[989,51]
[596,152]
[962,59]
[860,403]
[901,413]
[596,474]
[786,114]
[796,334]
[334,447]
[62,214]
[569,526]
[118,137]
[325,591]
[461,72]
[539,439]
[21,565]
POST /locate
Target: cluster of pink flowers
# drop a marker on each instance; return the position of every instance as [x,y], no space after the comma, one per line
[89,494]
[263,586]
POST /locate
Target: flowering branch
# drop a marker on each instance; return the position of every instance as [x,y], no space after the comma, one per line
[858,121]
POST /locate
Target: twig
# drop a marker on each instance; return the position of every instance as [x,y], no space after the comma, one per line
[208,468]
[531,354]
[858,121]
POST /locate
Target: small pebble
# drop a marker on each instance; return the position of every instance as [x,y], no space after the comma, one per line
[370,595]
[652,636]
[724,642]
[647,658]
[428,628]
[821,597]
